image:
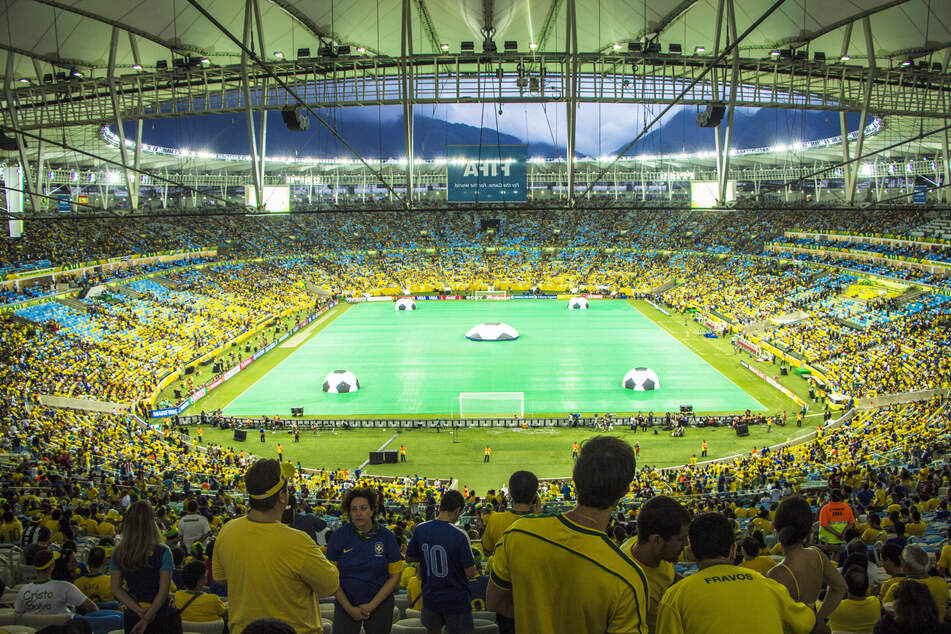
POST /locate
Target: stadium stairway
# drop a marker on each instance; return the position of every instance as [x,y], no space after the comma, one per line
[71,302]
[128,291]
[666,286]
[167,283]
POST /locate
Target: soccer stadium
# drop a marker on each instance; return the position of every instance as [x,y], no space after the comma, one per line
[535,316]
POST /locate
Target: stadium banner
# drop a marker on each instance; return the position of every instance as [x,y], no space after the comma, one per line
[748,345]
[212,385]
[356,300]
[529,297]
[246,363]
[162,413]
[774,383]
[197,394]
[422,298]
[487,173]
[380,298]
[451,297]
[230,373]
[593,296]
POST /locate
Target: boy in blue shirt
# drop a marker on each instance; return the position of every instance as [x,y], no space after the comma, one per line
[446,568]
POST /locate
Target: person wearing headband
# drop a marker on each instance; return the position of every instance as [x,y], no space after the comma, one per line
[49,596]
[272,570]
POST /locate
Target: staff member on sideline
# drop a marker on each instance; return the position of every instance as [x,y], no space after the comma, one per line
[368,557]
[272,570]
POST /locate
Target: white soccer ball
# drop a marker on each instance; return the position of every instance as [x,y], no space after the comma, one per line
[341,382]
[578,303]
[405,303]
[641,380]
[492,332]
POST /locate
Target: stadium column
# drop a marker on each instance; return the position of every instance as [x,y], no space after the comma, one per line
[15,125]
[571,78]
[723,176]
[946,164]
[264,95]
[869,84]
[843,114]
[137,155]
[408,86]
[117,115]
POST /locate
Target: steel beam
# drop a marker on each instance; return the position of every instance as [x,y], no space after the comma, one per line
[123,151]
[734,87]
[248,109]
[21,144]
[262,91]
[946,164]
[571,103]
[407,84]
[843,115]
[870,48]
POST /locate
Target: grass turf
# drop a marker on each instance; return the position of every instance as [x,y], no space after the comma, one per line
[417,362]
[547,452]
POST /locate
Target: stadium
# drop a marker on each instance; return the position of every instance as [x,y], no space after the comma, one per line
[686,264]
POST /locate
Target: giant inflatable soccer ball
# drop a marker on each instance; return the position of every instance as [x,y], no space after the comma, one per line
[341,382]
[578,303]
[641,380]
[405,303]
[492,332]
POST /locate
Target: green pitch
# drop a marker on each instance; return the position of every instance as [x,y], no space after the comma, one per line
[418,362]
[546,452]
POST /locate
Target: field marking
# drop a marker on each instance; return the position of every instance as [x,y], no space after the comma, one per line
[696,352]
[382,447]
[333,311]
[300,337]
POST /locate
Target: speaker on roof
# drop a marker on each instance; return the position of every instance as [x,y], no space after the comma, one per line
[711,116]
[295,118]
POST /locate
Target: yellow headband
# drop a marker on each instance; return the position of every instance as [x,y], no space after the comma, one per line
[49,563]
[287,472]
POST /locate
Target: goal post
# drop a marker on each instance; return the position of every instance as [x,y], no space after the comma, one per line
[491,294]
[491,404]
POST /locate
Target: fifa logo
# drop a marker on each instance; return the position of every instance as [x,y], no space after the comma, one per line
[486,168]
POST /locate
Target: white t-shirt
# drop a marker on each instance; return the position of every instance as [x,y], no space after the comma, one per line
[191,527]
[49,597]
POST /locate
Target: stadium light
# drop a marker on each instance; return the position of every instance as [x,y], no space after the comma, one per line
[616,46]
[23,80]
[775,53]
[907,63]
[443,47]
[699,49]
[533,45]
[76,73]
[279,54]
[361,50]
[136,66]
[845,58]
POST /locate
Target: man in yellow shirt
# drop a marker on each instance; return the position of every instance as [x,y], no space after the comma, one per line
[607,589]
[523,490]
[752,559]
[722,595]
[856,612]
[661,536]
[272,570]
[915,564]
[95,584]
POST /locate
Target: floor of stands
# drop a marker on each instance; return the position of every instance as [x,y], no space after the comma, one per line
[418,362]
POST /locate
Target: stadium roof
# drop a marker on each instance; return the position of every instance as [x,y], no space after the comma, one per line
[77,37]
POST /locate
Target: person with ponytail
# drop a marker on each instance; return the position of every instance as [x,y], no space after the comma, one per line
[141,575]
[804,570]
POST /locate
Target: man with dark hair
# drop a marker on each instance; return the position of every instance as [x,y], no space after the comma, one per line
[446,567]
[661,536]
[271,569]
[523,491]
[721,596]
[562,573]
[835,518]
[193,527]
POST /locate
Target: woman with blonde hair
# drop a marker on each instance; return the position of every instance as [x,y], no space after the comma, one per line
[144,563]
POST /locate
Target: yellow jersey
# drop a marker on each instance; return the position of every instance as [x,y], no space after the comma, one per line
[937,586]
[96,587]
[495,525]
[721,596]
[565,577]
[659,579]
[856,615]
[272,571]
[201,606]
[761,564]
[945,559]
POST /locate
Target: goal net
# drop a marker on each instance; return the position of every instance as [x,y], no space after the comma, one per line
[491,295]
[491,404]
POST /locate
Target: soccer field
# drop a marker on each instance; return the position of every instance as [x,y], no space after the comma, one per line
[417,362]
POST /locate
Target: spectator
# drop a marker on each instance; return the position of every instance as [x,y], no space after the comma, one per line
[597,588]
[305,520]
[368,557]
[804,571]
[913,610]
[43,535]
[50,596]
[915,563]
[193,527]
[95,584]
[271,569]
[446,565]
[269,626]
[721,595]
[752,559]
[141,575]
[523,491]
[891,563]
[857,612]
[834,519]
[662,525]
[195,605]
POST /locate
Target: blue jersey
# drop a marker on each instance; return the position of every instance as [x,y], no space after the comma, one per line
[363,560]
[445,553]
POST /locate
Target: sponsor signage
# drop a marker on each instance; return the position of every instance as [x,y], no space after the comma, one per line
[528,297]
[487,173]
[162,413]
